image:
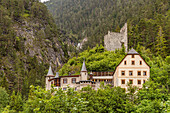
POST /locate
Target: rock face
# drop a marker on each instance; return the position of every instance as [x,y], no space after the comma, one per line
[80,45]
[113,40]
[44,49]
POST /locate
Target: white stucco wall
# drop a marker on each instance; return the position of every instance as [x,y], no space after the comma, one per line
[129,67]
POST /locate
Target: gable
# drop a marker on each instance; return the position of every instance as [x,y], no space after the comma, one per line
[137,58]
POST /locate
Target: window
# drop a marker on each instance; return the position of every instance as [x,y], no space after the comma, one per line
[130,73]
[144,73]
[139,82]
[123,73]
[64,89]
[131,81]
[73,80]
[140,62]
[125,62]
[123,81]
[133,62]
[143,81]
[139,73]
[133,56]
[65,81]
[58,81]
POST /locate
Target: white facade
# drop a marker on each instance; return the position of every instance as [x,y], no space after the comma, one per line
[132,69]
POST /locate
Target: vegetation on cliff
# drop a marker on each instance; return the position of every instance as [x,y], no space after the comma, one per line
[97,59]
[29,41]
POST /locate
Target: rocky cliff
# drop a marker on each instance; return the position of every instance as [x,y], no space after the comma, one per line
[29,41]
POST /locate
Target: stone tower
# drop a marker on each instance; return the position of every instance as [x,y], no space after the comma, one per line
[84,73]
[113,40]
[49,76]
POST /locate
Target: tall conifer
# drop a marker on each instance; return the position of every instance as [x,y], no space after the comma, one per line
[160,43]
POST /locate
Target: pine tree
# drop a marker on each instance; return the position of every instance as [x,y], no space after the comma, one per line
[4,83]
[123,49]
[138,48]
[117,29]
[16,102]
[3,98]
[160,43]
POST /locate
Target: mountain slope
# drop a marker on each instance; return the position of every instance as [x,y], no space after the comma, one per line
[29,41]
[93,18]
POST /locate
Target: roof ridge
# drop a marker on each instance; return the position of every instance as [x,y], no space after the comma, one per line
[132,51]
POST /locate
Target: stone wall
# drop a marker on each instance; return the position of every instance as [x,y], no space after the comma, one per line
[113,40]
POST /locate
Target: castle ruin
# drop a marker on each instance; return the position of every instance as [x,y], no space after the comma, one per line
[113,40]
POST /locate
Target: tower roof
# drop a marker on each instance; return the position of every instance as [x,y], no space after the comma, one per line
[57,75]
[50,72]
[132,51]
[83,66]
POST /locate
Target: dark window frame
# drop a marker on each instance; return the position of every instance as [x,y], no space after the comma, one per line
[138,73]
[133,62]
[140,62]
[125,62]
[129,73]
[65,79]
[122,74]
[145,73]
[139,82]
[123,81]
[144,81]
[73,80]
[131,81]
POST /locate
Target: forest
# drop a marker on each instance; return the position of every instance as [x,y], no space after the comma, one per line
[94,18]
[30,40]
